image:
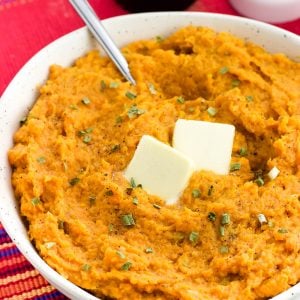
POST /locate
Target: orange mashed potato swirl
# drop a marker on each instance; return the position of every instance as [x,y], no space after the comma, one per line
[71,151]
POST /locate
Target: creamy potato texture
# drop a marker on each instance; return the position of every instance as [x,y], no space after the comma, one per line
[113,239]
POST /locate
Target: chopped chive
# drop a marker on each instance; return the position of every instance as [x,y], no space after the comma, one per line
[262,219]
[135,201]
[225,219]
[134,111]
[196,193]
[41,160]
[130,95]
[86,267]
[139,186]
[249,98]
[180,100]
[49,245]
[283,230]
[274,172]
[23,121]
[119,120]
[102,85]
[223,70]
[149,250]
[87,139]
[35,201]
[243,151]
[92,200]
[127,220]
[224,249]
[194,237]
[211,216]
[115,148]
[109,193]
[89,130]
[126,266]
[86,101]
[151,88]
[73,106]
[259,181]
[235,83]
[212,111]
[235,166]
[132,182]
[222,230]
[120,254]
[210,190]
[159,39]
[74,181]
[156,206]
[114,85]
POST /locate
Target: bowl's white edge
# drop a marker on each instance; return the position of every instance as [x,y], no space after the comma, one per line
[9,115]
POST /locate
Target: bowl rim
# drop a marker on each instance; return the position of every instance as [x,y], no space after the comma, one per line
[62,284]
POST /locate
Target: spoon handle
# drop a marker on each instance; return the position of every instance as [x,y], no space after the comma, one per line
[94,24]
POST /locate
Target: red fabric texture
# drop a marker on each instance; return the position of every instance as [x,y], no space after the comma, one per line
[26,26]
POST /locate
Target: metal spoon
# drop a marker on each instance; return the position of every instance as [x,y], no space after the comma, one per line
[94,24]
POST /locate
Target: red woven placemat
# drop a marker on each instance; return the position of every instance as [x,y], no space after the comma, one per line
[26,26]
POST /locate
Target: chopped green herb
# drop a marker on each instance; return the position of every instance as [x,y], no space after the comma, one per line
[115,148]
[235,167]
[139,186]
[224,249]
[120,254]
[35,201]
[87,139]
[114,85]
[180,100]
[243,151]
[119,120]
[262,219]
[283,230]
[222,230]
[259,181]
[196,193]
[109,193]
[249,98]
[225,219]
[74,181]
[135,201]
[223,70]
[130,95]
[159,39]
[127,220]
[212,216]
[194,237]
[49,245]
[92,200]
[73,106]
[132,182]
[103,85]
[210,190]
[271,224]
[212,111]
[86,267]
[156,206]
[151,88]
[134,111]
[61,224]
[86,101]
[41,160]
[23,121]
[111,227]
[149,250]
[126,266]
[235,83]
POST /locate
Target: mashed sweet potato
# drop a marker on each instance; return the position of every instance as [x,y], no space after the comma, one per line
[118,242]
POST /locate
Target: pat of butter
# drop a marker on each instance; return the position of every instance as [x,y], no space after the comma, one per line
[208,144]
[162,170]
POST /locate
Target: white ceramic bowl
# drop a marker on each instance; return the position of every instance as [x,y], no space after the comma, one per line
[22,92]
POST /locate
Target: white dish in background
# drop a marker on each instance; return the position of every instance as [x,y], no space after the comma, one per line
[22,92]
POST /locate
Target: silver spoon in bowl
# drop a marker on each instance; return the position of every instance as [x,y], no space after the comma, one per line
[94,24]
